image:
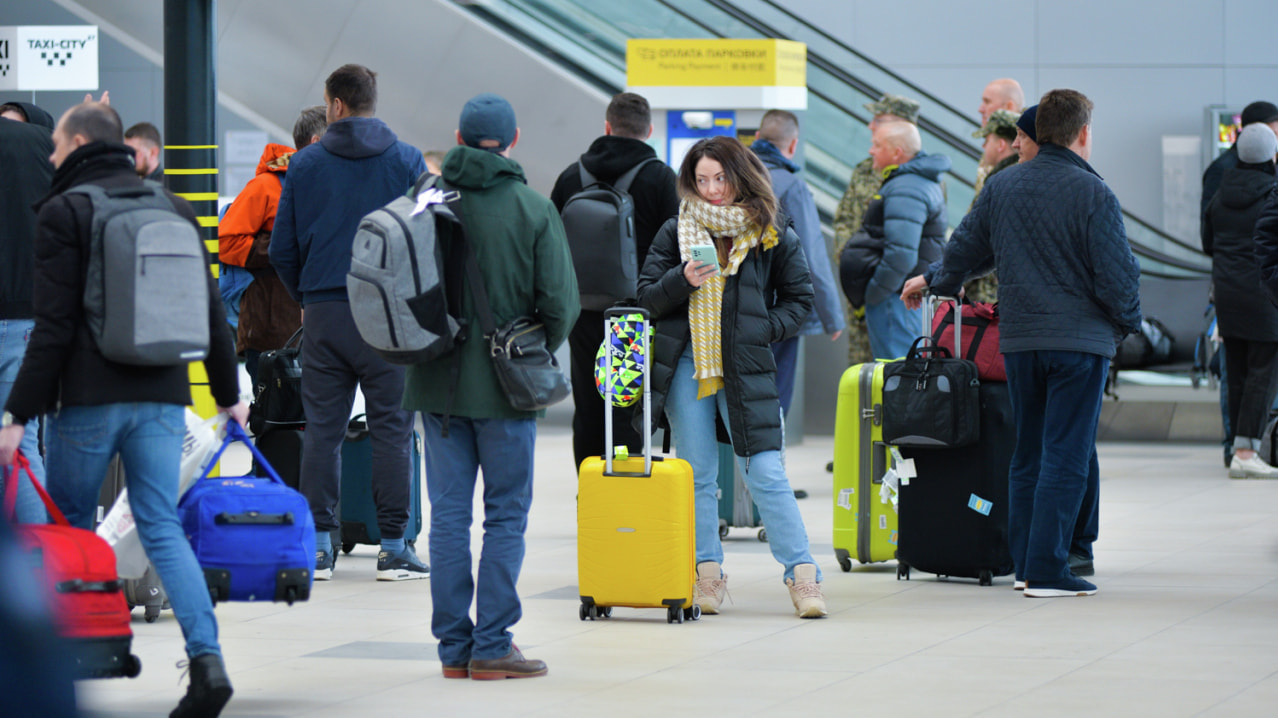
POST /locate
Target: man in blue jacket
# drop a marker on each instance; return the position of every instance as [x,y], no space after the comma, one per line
[909,215]
[776,144]
[1068,292]
[358,166]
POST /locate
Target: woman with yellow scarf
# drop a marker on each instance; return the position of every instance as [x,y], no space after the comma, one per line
[715,322]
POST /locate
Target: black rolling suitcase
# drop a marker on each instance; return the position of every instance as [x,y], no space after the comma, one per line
[953,513]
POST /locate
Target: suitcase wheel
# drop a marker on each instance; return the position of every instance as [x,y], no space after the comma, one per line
[348,547]
[845,563]
[674,614]
[152,613]
[583,611]
[132,666]
[763,535]
[692,613]
[723,529]
[903,571]
[987,577]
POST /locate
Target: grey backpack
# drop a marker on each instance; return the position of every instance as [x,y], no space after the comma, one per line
[600,224]
[396,281]
[146,297]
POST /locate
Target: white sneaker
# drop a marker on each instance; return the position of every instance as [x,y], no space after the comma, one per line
[1253,468]
[1018,585]
[805,592]
[710,588]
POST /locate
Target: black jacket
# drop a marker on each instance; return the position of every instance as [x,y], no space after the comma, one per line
[25,174]
[62,363]
[1266,236]
[653,190]
[1213,174]
[1228,231]
[765,302]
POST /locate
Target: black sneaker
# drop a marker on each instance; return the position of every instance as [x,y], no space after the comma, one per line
[1081,566]
[403,566]
[325,561]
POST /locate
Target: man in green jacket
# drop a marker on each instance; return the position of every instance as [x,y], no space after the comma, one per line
[523,257]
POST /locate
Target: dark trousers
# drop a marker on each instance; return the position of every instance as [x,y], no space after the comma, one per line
[786,355]
[1087,525]
[334,361]
[1250,371]
[1056,401]
[588,413]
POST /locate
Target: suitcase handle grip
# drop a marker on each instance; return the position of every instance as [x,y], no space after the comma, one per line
[79,585]
[234,433]
[254,518]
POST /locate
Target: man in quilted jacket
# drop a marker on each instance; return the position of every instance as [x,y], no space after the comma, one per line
[1068,294]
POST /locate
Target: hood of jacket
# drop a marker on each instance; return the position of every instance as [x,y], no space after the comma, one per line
[1245,185]
[471,168]
[91,161]
[36,115]
[772,156]
[358,137]
[275,158]
[611,156]
[930,167]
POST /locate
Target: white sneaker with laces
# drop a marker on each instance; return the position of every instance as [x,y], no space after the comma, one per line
[805,592]
[1251,468]
[710,588]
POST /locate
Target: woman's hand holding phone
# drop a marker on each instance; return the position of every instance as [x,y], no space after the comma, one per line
[703,264]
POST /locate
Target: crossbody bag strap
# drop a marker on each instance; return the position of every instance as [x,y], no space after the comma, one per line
[475,283]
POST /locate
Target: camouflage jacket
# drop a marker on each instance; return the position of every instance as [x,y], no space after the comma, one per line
[861,189]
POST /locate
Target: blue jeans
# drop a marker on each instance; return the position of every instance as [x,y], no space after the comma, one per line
[504,449]
[1087,526]
[14,334]
[1056,401]
[692,429]
[892,327]
[148,437]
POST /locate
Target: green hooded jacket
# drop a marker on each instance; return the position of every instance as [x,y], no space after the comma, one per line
[522,253]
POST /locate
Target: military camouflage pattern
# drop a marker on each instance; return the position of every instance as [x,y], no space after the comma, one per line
[902,107]
[864,185]
[1002,123]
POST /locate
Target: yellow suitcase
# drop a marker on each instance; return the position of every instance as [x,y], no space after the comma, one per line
[636,544]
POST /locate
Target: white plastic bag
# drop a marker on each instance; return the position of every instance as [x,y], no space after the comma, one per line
[203,437]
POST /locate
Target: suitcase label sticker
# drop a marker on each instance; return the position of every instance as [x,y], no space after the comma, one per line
[979,505]
[845,498]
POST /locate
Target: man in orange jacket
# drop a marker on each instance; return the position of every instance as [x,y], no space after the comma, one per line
[268,315]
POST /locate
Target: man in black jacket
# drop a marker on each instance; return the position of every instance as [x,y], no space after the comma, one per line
[25,172]
[104,407]
[628,122]
[1258,111]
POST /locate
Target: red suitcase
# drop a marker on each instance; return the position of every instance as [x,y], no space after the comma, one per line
[77,568]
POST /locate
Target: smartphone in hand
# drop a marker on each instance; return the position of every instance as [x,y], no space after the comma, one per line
[706,254]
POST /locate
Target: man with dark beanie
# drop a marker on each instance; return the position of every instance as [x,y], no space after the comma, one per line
[98,407]
[1259,111]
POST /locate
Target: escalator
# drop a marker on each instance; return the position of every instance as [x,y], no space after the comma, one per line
[588,39]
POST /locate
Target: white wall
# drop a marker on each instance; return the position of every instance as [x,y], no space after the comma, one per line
[1151,66]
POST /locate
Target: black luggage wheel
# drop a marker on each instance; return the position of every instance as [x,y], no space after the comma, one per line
[219,582]
[844,558]
[151,613]
[723,529]
[292,584]
[987,577]
[348,547]
[903,571]
[589,609]
[763,535]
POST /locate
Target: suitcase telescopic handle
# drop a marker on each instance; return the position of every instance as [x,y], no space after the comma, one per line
[956,314]
[609,315]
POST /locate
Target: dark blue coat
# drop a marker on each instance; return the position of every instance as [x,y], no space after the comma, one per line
[796,201]
[358,166]
[914,219]
[1054,231]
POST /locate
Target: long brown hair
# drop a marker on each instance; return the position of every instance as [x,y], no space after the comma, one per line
[744,171]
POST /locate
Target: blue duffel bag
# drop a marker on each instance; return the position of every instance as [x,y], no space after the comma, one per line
[254,537]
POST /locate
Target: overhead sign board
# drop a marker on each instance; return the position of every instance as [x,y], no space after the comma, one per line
[49,57]
[716,63]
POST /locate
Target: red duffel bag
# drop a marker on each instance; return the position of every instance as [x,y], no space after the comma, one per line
[980,337]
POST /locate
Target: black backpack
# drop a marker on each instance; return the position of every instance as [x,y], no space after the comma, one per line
[600,224]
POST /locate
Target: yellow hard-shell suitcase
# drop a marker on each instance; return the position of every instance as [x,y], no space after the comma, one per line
[865,528]
[636,545]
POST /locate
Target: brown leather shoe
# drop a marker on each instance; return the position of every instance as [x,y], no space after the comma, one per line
[511,665]
[456,672]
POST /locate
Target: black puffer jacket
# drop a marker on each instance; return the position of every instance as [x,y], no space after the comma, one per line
[764,302]
[1266,235]
[1227,231]
[25,174]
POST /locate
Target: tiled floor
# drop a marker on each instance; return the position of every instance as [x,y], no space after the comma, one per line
[1185,624]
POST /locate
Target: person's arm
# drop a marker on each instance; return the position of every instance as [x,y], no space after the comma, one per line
[251,212]
[792,287]
[285,253]
[663,284]
[1206,233]
[903,217]
[807,224]
[1117,273]
[555,281]
[968,253]
[1266,241]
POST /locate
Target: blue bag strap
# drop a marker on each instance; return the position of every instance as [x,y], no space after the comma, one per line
[234,433]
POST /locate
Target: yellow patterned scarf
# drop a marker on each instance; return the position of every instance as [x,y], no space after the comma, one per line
[699,222]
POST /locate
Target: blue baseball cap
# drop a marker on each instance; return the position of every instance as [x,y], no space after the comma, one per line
[487,117]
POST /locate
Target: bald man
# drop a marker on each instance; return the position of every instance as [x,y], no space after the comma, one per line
[1001,94]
